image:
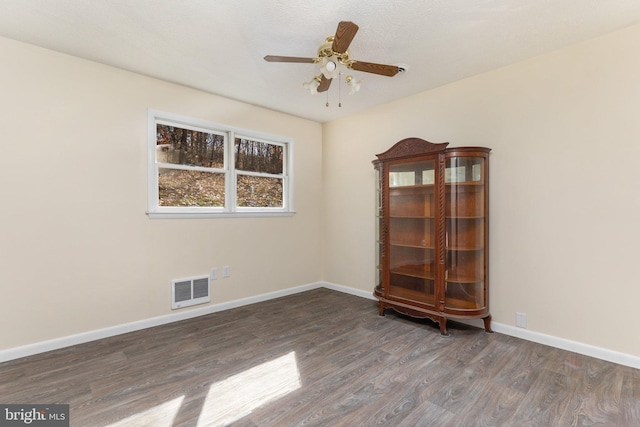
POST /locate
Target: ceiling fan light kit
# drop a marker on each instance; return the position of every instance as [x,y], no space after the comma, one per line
[329,67]
[353,84]
[333,58]
[312,86]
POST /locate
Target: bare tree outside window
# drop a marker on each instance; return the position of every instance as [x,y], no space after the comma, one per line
[259,167]
[256,156]
[187,147]
[200,168]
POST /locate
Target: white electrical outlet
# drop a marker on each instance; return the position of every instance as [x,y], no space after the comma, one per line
[214,273]
[521,320]
[226,271]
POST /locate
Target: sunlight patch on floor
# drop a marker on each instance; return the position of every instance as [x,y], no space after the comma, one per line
[158,416]
[237,396]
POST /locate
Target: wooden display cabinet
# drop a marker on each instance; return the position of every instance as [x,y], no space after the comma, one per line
[432,231]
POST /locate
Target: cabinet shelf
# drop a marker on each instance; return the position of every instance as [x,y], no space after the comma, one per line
[456,278]
[420,271]
[461,304]
[411,216]
[413,295]
[448,185]
[411,245]
[418,188]
[465,248]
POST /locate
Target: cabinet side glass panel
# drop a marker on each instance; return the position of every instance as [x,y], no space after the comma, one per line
[464,169]
[465,233]
[379,225]
[411,231]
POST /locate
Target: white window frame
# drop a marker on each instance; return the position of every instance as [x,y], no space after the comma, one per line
[154,210]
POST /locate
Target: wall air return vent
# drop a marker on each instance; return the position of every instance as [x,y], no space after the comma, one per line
[190,291]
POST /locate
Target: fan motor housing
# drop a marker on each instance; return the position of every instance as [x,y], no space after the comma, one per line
[326,50]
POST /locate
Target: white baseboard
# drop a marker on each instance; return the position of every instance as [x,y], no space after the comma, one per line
[526,334]
[565,344]
[57,343]
[561,343]
[348,290]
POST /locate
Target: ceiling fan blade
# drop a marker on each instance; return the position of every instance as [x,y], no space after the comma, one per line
[274,58]
[345,33]
[324,84]
[370,67]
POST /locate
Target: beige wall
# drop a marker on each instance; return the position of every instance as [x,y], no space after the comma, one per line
[565,185]
[77,251]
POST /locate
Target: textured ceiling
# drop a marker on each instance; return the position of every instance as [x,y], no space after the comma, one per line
[218,45]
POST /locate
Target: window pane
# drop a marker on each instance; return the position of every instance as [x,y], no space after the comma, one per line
[189,147]
[258,191]
[255,156]
[190,188]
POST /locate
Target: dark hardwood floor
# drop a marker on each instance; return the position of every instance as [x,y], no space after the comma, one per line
[323,358]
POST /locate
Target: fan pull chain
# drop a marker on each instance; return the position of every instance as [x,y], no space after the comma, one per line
[327,104]
[340,90]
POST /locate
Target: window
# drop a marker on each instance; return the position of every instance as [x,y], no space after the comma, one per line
[199,169]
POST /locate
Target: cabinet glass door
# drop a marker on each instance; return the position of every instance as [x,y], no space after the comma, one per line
[465,233]
[412,231]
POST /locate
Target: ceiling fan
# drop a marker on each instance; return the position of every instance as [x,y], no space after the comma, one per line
[333,54]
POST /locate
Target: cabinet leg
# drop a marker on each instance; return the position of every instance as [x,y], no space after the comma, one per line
[443,327]
[487,324]
[381,308]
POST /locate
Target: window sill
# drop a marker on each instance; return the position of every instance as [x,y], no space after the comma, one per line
[198,215]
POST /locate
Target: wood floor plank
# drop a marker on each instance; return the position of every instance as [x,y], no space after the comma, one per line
[546,401]
[342,365]
[630,397]
[522,366]
[429,414]
[596,400]
[495,406]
